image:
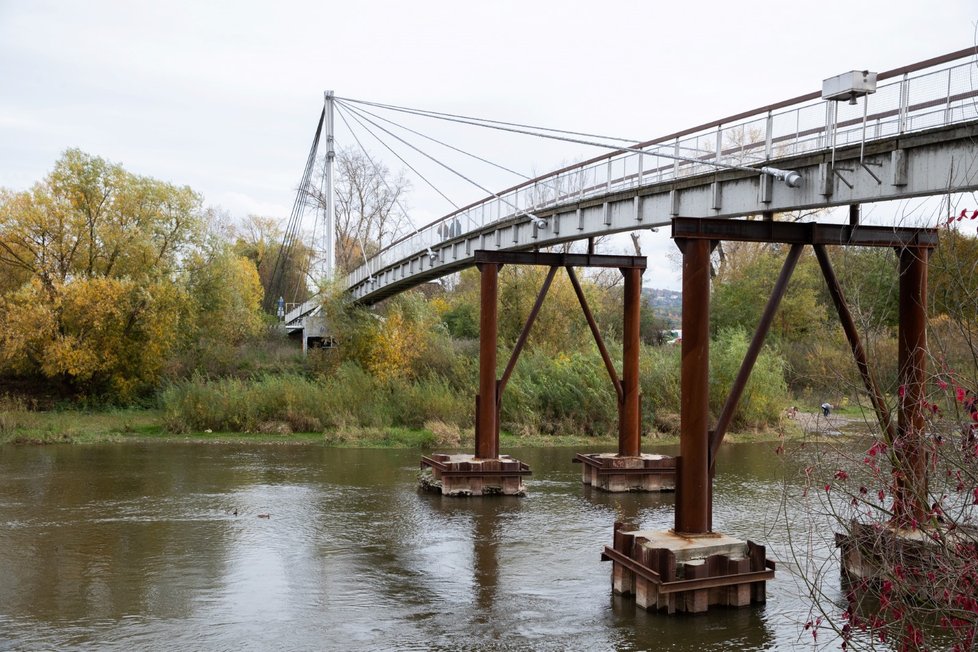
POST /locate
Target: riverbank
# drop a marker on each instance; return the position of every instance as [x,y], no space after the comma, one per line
[146,425]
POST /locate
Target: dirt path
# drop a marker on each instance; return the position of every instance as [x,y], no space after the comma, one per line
[831,425]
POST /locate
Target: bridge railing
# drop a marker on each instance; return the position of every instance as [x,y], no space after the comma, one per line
[933,93]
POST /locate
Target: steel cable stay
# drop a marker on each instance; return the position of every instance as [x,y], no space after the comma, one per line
[295,217]
[354,114]
[512,205]
[360,119]
[442,143]
[551,184]
[341,107]
[486,121]
[377,171]
[791,178]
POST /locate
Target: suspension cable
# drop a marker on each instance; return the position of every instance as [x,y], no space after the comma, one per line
[342,108]
[449,146]
[383,179]
[791,178]
[512,205]
[547,183]
[487,121]
[291,231]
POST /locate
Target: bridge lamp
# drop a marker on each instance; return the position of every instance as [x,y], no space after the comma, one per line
[539,222]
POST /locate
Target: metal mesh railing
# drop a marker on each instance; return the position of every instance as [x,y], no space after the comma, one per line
[916,101]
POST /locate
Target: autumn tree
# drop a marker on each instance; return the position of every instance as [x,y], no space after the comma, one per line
[368,204]
[102,271]
[914,580]
[259,239]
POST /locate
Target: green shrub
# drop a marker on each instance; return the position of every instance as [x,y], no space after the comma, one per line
[431,399]
[562,394]
[766,393]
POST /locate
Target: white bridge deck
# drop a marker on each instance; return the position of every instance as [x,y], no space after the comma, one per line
[916,136]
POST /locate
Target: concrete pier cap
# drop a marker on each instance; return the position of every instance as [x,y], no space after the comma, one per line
[463,474]
[677,572]
[615,473]
[691,547]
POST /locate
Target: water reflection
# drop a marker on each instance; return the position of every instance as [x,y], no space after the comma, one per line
[121,547]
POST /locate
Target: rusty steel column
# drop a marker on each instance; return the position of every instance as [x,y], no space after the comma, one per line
[910,474]
[693,495]
[629,417]
[486,434]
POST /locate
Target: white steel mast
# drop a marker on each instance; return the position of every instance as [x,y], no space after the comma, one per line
[329,238]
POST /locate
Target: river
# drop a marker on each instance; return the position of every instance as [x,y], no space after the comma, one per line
[233,547]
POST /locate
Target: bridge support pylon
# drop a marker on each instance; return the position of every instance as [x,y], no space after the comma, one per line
[487,472]
[693,567]
[629,469]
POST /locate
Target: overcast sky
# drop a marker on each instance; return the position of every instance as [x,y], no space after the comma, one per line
[224,96]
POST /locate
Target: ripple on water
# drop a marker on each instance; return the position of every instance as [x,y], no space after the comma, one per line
[132,548]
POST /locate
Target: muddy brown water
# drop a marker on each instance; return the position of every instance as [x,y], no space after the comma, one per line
[163,546]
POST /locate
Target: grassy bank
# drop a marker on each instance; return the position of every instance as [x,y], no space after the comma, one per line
[21,426]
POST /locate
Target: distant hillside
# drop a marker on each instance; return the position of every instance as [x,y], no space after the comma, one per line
[665,304]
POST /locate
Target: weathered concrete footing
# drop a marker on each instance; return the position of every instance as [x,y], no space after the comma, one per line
[870,552]
[677,573]
[466,475]
[616,473]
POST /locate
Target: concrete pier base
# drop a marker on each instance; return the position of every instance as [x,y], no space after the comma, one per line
[467,475]
[677,573]
[617,474]
[871,553]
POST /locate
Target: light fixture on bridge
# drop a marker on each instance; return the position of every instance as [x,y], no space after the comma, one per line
[849,86]
[539,222]
[791,178]
[432,256]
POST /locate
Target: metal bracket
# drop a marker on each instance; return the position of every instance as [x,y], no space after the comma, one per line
[865,166]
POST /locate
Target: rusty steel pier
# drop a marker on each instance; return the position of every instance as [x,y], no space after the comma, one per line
[691,567]
[629,469]
[486,471]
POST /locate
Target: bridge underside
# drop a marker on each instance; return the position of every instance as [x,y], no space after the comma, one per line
[934,162]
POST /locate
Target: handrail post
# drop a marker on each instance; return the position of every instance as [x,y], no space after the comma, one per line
[904,103]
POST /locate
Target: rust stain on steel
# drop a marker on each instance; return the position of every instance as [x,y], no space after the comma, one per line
[557,260]
[910,499]
[693,483]
[489,398]
[487,427]
[629,424]
[801,233]
[610,554]
[521,341]
[593,325]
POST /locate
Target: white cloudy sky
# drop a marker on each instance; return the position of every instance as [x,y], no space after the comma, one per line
[224,95]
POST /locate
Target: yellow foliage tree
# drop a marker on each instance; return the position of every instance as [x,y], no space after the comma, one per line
[90,264]
[105,336]
[386,345]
